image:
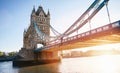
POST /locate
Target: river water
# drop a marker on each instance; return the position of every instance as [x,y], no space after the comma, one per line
[96,64]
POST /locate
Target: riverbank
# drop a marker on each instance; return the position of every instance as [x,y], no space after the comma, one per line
[6,58]
[90,53]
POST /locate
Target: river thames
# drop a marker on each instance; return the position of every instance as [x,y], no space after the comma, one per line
[95,64]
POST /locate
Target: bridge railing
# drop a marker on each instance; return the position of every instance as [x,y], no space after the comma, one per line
[88,33]
[94,31]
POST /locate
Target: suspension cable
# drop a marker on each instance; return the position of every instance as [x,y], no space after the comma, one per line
[54,31]
[89,22]
[108,12]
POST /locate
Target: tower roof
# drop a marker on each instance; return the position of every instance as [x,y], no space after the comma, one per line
[39,10]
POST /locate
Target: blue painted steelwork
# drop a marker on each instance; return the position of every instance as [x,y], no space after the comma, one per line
[70,30]
[83,15]
[37,30]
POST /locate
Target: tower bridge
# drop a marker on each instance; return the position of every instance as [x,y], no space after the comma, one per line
[106,34]
[39,33]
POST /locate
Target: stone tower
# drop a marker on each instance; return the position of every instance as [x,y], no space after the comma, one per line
[31,38]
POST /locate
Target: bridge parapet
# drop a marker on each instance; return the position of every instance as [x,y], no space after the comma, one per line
[105,28]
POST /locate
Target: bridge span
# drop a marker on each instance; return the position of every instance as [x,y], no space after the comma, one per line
[106,34]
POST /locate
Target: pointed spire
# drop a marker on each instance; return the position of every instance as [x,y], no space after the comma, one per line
[33,11]
[24,32]
[48,12]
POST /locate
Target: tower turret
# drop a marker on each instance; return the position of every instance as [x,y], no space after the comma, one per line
[33,11]
[48,14]
[33,15]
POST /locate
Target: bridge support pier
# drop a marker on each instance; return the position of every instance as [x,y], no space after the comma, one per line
[47,57]
[29,57]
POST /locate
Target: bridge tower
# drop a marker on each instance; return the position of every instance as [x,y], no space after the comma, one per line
[31,38]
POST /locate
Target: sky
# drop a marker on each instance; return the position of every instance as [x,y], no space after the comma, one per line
[15,17]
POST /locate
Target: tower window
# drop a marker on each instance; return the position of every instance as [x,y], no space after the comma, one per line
[43,27]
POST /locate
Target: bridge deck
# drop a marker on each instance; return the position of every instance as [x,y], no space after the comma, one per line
[103,35]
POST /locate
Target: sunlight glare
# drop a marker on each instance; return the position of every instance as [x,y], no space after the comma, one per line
[107,64]
[101,47]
